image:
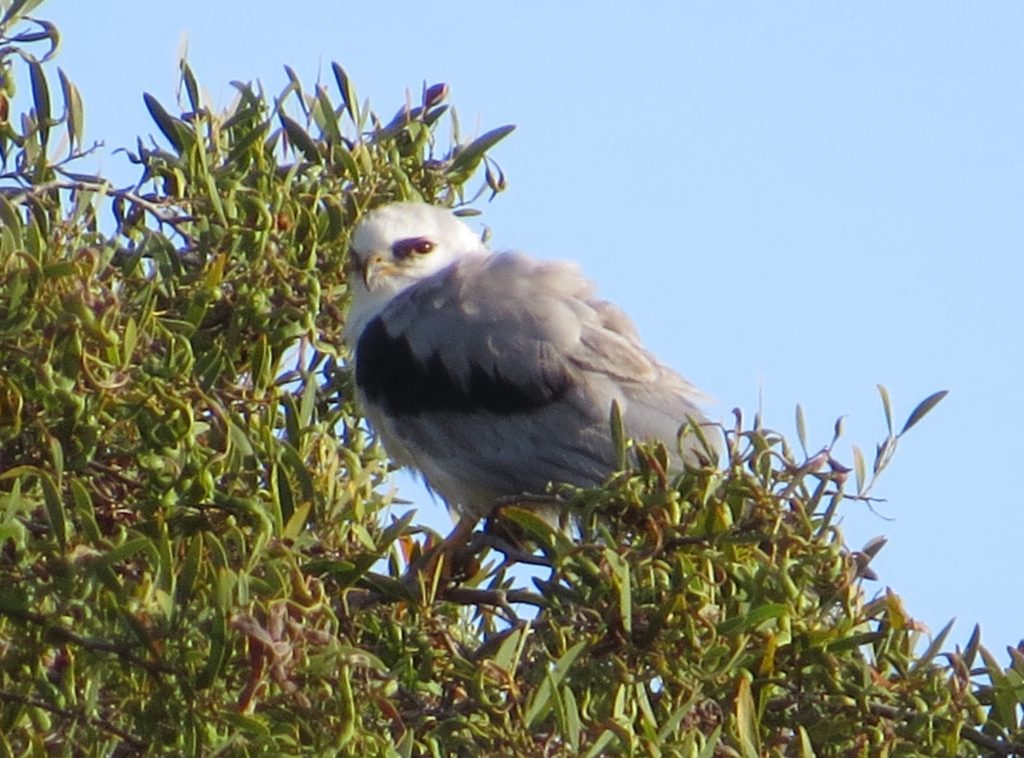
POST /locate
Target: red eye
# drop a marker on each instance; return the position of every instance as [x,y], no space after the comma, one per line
[413,245]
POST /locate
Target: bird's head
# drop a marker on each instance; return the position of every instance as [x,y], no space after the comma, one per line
[396,246]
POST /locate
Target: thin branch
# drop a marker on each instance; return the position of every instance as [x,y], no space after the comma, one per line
[157,211]
[999,747]
[58,633]
[497,598]
[138,744]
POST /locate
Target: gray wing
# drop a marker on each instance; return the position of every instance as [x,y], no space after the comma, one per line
[497,375]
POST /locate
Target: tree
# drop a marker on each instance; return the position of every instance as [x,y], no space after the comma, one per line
[192,551]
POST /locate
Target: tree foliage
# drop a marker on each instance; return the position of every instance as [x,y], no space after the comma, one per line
[195,556]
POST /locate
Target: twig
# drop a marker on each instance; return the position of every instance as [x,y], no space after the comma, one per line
[138,744]
[498,598]
[156,210]
[58,633]
[998,747]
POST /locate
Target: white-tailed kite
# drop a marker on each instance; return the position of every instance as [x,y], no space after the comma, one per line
[494,374]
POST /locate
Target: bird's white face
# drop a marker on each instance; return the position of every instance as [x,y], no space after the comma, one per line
[396,246]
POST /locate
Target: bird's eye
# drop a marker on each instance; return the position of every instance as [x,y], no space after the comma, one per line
[414,245]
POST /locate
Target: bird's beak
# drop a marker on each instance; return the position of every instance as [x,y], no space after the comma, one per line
[375,266]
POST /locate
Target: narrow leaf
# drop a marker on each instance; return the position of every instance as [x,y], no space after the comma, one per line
[40,98]
[933,649]
[218,635]
[753,619]
[189,571]
[84,510]
[191,87]
[837,432]
[621,575]
[348,95]
[801,428]
[467,158]
[972,646]
[541,700]
[746,721]
[75,112]
[169,126]
[859,469]
[299,139]
[923,408]
[54,509]
[328,122]
[886,406]
[618,437]
[606,738]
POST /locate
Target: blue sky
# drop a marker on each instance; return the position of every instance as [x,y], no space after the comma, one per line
[794,200]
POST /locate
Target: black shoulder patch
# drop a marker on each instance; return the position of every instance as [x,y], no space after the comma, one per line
[389,374]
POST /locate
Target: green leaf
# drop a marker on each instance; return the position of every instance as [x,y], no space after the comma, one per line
[710,748]
[747,721]
[348,708]
[886,406]
[325,117]
[173,129]
[54,508]
[801,427]
[934,647]
[40,98]
[859,469]
[806,749]
[300,140]
[753,619]
[191,86]
[468,157]
[511,648]
[217,654]
[619,441]
[84,510]
[295,85]
[245,143]
[923,408]
[348,94]
[19,8]
[252,725]
[667,732]
[603,741]
[621,579]
[541,700]
[837,431]
[75,110]
[573,725]
[971,648]
[129,549]
[189,573]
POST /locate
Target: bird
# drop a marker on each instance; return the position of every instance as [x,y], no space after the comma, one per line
[494,374]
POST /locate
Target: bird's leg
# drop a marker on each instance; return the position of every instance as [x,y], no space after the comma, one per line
[509,537]
[445,560]
[455,557]
[513,550]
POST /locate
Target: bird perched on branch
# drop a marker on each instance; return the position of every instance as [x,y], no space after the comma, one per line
[494,374]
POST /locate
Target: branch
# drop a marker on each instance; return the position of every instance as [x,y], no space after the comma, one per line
[139,745]
[58,633]
[998,747]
